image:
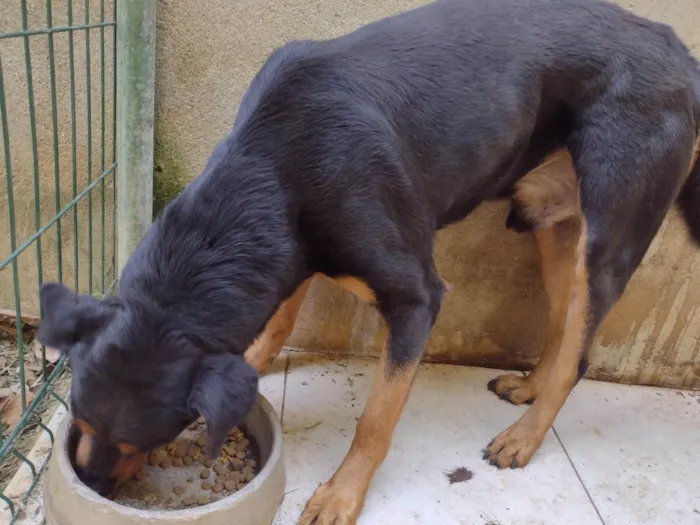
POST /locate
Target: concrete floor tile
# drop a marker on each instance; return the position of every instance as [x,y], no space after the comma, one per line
[272,383]
[449,418]
[637,450]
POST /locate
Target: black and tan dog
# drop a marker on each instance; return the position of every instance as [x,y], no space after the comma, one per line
[346,157]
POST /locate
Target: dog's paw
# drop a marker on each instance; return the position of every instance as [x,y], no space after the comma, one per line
[332,505]
[514,447]
[513,388]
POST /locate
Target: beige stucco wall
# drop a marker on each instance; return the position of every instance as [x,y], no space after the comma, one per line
[21,154]
[207,54]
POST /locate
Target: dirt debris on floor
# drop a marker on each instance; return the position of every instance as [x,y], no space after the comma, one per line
[459,475]
[10,392]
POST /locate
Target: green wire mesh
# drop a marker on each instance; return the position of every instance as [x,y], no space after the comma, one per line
[58,161]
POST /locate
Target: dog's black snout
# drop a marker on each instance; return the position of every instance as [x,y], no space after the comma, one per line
[104,487]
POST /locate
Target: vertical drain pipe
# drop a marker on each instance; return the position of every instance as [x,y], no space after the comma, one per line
[136,68]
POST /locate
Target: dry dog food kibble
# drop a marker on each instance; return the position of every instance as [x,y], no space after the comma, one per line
[162,482]
[181,450]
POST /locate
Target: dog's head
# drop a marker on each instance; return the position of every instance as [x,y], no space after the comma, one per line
[137,383]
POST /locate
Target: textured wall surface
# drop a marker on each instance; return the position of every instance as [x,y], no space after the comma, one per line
[88,150]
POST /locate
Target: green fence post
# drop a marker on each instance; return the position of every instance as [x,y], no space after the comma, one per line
[136,51]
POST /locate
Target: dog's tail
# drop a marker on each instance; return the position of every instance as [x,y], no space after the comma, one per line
[689,199]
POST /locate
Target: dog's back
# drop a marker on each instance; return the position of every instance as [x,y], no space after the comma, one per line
[466,95]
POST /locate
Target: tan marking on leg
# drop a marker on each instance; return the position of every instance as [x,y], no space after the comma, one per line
[549,193]
[357,286]
[340,500]
[557,247]
[269,343]
[128,465]
[362,290]
[127,449]
[84,427]
[515,446]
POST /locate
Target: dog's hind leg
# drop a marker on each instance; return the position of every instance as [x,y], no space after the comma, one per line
[626,191]
[269,343]
[547,201]
[557,247]
[556,373]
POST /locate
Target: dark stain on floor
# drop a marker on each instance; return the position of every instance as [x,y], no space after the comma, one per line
[459,475]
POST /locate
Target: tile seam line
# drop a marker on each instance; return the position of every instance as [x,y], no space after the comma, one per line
[578,475]
[284,390]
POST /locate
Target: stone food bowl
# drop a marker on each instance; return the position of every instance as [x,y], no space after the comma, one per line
[67,501]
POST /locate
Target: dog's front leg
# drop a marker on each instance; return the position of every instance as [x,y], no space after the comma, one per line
[340,500]
[269,343]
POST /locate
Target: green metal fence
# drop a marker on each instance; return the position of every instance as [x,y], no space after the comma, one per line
[59,151]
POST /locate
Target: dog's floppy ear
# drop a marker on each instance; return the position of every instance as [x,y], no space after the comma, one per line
[224,391]
[69,318]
